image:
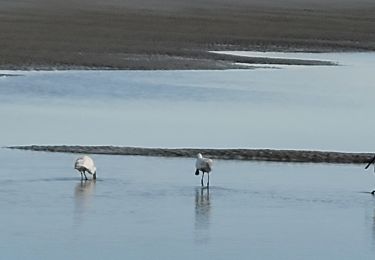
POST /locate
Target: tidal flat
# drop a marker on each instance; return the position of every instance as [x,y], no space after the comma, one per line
[174,34]
[147,207]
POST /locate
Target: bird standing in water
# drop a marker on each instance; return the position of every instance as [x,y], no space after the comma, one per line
[204,165]
[85,164]
[368,165]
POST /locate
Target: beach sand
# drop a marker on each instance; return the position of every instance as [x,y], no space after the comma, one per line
[174,34]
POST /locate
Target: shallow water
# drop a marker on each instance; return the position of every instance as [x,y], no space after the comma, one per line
[320,107]
[153,208]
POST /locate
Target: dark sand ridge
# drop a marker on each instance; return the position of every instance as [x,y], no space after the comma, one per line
[224,154]
[175,34]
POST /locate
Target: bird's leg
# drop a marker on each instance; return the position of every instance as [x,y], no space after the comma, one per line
[208,180]
[81,175]
[85,175]
[202,178]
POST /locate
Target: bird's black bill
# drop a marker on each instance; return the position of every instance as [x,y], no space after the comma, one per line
[197,172]
[371,162]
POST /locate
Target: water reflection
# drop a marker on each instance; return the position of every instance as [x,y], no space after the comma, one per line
[202,214]
[83,193]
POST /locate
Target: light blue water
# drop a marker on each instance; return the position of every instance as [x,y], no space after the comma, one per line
[153,208]
[326,108]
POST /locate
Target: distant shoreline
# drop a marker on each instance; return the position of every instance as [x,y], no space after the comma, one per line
[175,34]
[291,156]
[227,61]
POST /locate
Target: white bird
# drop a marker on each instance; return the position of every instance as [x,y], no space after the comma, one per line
[368,165]
[204,165]
[85,164]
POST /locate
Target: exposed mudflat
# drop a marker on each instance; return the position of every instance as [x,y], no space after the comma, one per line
[166,34]
[225,154]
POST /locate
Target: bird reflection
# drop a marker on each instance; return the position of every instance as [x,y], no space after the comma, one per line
[202,214]
[83,193]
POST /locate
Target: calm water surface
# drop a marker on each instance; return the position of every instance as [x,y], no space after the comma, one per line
[153,208]
[302,107]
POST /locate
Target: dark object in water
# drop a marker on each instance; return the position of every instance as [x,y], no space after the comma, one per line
[9,75]
[370,162]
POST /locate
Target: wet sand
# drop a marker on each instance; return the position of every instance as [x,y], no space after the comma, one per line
[299,156]
[166,34]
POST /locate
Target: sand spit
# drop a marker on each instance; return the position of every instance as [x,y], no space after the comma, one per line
[299,156]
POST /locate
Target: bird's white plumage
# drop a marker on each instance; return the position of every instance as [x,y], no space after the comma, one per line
[85,163]
[203,164]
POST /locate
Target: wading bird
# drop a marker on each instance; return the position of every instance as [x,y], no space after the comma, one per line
[368,165]
[204,165]
[85,164]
